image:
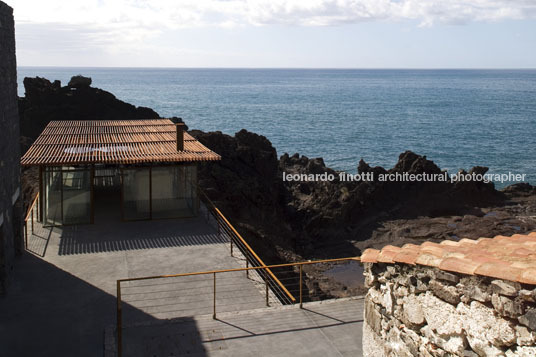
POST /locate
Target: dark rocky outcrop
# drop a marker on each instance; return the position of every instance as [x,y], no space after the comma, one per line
[45,101]
[247,186]
[325,219]
[79,82]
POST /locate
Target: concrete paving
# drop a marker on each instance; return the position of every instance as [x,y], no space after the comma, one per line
[63,297]
[64,293]
[330,328]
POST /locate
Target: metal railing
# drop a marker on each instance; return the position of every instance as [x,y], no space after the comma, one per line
[33,211]
[251,258]
[213,286]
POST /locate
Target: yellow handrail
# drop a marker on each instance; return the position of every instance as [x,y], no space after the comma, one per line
[29,214]
[31,207]
[261,262]
[243,269]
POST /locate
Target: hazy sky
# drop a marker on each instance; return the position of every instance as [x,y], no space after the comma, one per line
[277,33]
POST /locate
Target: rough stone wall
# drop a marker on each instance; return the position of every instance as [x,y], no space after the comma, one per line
[422,311]
[10,202]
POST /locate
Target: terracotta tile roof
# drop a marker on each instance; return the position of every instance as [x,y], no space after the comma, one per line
[509,258]
[77,142]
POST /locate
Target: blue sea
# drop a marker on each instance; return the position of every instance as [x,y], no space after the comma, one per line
[457,118]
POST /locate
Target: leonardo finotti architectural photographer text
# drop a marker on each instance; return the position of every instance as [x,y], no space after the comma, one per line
[405,177]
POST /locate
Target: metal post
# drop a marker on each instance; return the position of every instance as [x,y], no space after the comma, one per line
[247,266]
[41,194]
[266,281]
[214,312]
[33,208]
[301,288]
[119,322]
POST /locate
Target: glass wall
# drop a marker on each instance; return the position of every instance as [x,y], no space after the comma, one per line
[136,195]
[160,192]
[52,196]
[67,195]
[76,192]
[147,193]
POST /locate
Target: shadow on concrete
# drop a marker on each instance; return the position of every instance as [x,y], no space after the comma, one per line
[110,234]
[73,242]
[50,312]
[39,239]
[283,330]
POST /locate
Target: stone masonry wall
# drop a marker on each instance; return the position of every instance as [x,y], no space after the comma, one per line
[10,202]
[423,311]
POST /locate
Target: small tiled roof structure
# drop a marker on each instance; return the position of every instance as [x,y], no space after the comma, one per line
[79,142]
[508,258]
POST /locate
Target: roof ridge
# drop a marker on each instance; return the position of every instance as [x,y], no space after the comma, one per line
[503,257]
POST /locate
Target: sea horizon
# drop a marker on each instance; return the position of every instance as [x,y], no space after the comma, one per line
[305,68]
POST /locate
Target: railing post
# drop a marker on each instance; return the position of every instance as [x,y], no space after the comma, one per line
[301,288]
[247,266]
[119,322]
[33,208]
[26,234]
[266,281]
[214,311]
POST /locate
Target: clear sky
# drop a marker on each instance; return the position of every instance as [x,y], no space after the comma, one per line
[277,33]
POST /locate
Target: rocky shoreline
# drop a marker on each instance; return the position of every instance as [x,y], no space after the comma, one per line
[293,221]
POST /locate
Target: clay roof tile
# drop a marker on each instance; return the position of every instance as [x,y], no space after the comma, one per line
[370,256]
[459,265]
[503,257]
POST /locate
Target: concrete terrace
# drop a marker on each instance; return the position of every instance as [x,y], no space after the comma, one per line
[329,328]
[63,296]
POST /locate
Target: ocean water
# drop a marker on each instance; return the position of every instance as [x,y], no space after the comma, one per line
[457,118]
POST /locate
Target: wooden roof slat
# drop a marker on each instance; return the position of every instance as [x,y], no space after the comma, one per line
[114,142]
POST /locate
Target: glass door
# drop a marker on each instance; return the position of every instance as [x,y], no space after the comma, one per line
[52,199]
[76,191]
[136,193]
[67,195]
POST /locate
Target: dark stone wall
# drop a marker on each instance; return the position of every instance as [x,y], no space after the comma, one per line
[10,200]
